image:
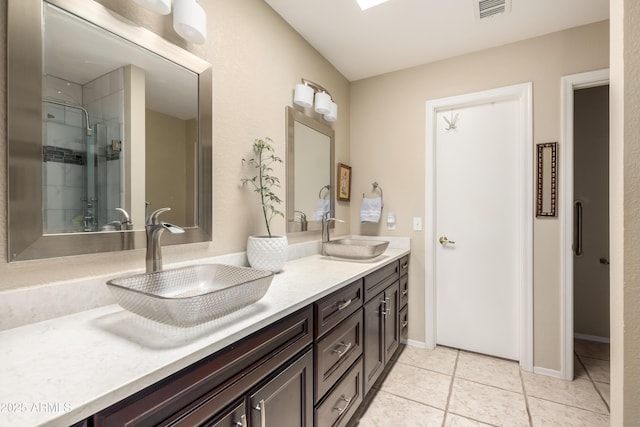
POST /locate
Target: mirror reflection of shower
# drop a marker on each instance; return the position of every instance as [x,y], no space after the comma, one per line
[82,150]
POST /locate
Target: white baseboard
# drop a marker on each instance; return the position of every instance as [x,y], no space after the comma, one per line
[548,372]
[414,343]
[586,337]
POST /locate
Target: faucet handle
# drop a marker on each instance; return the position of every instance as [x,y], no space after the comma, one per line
[153,218]
[327,217]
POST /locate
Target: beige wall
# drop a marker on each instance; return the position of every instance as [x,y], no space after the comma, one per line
[166,166]
[388,138]
[257,60]
[625,211]
[134,158]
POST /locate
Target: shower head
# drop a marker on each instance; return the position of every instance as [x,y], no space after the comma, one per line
[60,102]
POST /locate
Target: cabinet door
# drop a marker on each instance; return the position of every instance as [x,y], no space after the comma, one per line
[391,321]
[286,399]
[373,341]
[233,417]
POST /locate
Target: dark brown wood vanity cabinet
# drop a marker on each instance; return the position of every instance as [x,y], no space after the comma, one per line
[338,350]
[265,379]
[381,320]
[312,368]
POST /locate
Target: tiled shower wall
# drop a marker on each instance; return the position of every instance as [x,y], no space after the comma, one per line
[64,158]
[64,152]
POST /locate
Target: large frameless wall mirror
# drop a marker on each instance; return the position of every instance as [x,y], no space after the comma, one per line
[107,121]
[310,181]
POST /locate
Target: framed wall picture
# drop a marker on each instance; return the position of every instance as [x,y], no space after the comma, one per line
[344,182]
[547,194]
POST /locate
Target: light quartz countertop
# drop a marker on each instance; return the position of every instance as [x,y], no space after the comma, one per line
[60,371]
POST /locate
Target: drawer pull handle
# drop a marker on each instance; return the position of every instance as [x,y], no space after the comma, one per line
[344,304]
[405,265]
[263,413]
[242,422]
[342,352]
[404,293]
[341,410]
[404,324]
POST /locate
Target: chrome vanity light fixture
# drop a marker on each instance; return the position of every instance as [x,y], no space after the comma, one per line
[189,18]
[305,93]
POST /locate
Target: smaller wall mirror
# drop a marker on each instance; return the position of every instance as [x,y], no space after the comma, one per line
[310,181]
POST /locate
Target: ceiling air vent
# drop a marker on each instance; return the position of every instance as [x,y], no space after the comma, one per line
[490,8]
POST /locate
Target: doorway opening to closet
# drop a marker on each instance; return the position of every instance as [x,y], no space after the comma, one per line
[586,226]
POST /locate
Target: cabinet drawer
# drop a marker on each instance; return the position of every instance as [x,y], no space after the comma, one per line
[332,309]
[404,323]
[375,282]
[204,388]
[343,401]
[404,290]
[404,265]
[336,352]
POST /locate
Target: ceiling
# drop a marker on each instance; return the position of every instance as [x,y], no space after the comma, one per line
[405,33]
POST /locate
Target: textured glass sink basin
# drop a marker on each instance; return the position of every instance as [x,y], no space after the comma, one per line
[190,295]
[355,248]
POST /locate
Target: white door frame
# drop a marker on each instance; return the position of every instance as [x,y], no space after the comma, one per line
[565,175]
[522,93]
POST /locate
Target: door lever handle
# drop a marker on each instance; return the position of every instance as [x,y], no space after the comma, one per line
[444,241]
[604,261]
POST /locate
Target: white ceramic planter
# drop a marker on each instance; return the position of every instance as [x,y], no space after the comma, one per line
[267,253]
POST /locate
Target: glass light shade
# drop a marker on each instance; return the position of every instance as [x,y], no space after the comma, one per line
[323,103]
[303,95]
[332,115]
[190,21]
[163,7]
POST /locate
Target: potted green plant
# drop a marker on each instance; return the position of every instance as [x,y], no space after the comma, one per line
[266,252]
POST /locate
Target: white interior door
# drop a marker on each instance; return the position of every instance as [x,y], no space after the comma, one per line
[478,206]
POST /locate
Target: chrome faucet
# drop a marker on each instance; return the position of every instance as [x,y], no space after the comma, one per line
[154,230]
[303,220]
[125,220]
[326,219]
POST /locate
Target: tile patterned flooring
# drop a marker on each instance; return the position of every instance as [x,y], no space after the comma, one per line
[453,388]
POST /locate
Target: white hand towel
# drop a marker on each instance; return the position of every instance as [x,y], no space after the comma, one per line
[370,210]
[322,207]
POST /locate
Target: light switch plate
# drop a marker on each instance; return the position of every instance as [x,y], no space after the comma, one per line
[417,223]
